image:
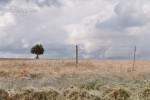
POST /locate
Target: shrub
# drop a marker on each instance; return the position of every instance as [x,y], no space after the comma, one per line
[120,94]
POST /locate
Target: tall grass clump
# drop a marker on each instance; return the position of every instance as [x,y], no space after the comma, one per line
[145,95]
[120,94]
[4,95]
[37,95]
[78,94]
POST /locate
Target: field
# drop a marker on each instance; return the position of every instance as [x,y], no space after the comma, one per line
[62,80]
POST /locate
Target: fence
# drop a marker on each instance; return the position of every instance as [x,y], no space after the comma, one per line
[124,52]
[101,52]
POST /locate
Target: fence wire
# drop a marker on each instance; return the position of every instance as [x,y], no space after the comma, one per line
[98,52]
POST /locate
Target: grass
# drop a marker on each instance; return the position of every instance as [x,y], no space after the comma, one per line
[61,80]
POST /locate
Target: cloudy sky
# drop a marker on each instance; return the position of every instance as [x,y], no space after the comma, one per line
[101,28]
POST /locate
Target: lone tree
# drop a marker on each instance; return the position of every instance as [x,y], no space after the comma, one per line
[38,50]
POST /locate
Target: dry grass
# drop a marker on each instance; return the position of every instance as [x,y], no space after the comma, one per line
[91,80]
[63,66]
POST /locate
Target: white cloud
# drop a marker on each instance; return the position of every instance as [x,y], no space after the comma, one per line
[118,32]
[107,28]
[6,20]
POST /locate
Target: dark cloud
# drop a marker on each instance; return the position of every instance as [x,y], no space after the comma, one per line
[45,3]
[3,3]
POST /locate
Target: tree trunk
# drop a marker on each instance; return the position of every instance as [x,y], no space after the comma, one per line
[37,56]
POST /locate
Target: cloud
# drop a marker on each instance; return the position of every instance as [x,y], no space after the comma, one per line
[116,34]
[20,31]
[127,15]
[102,28]
[45,3]
[6,20]
[4,2]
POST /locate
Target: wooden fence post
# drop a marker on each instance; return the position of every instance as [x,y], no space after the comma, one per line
[77,56]
[133,68]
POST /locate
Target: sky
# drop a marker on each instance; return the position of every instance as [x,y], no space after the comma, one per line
[101,28]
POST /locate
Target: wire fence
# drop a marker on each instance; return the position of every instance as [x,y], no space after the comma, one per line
[123,52]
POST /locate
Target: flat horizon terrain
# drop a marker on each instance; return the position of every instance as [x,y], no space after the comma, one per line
[93,79]
[17,66]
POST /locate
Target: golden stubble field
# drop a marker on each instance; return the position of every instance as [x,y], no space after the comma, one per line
[25,79]
[22,68]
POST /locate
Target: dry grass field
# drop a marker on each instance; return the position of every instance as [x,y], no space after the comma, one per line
[63,80]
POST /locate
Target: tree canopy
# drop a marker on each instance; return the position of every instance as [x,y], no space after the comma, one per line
[38,50]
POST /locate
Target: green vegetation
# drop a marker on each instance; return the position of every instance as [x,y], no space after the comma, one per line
[38,50]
